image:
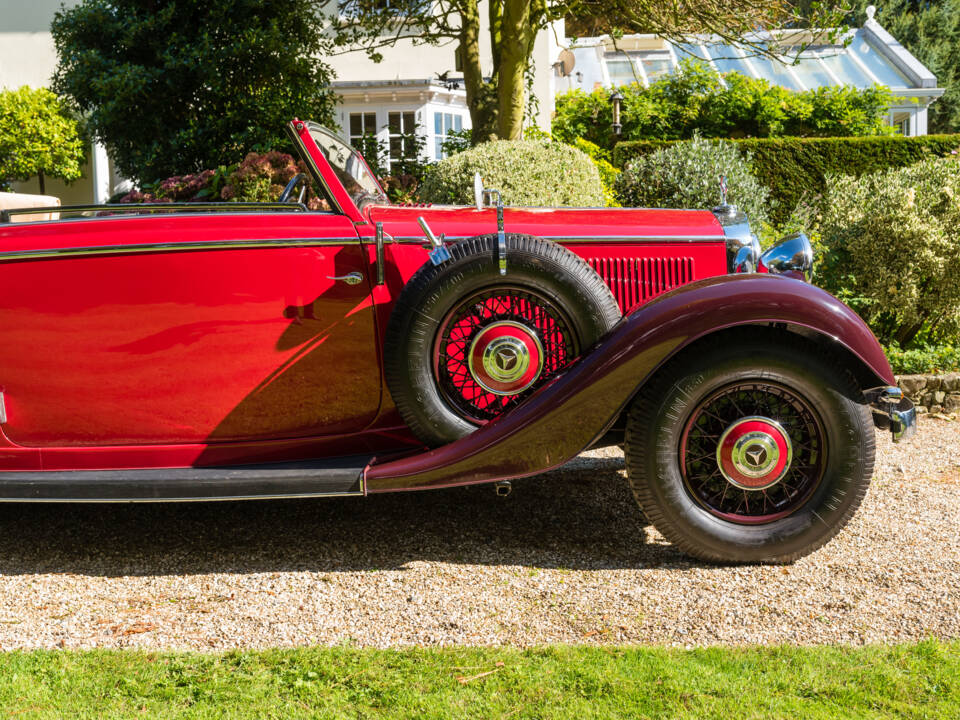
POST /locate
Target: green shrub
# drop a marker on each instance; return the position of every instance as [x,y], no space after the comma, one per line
[686,175]
[38,137]
[793,167]
[694,100]
[608,173]
[526,172]
[891,250]
[925,359]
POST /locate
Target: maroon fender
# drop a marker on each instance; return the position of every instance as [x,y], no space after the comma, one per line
[570,413]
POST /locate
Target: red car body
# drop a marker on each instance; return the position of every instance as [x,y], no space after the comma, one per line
[189,340]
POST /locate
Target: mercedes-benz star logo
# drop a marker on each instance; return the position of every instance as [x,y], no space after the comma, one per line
[756,456]
[506,358]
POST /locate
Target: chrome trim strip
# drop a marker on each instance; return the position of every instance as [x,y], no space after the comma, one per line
[131,216]
[379,252]
[408,239]
[3,409]
[88,251]
[193,208]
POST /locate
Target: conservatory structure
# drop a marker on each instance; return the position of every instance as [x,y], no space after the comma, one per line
[863,57]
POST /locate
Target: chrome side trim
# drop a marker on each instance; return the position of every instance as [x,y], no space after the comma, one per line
[3,409]
[125,209]
[409,239]
[379,249]
[55,253]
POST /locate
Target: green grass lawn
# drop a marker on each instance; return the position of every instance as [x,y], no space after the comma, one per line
[913,681]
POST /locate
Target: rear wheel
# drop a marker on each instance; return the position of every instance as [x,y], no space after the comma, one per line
[466,344]
[753,449]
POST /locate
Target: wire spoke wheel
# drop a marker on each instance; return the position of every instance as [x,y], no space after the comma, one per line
[466,344]
[497,347]
[753,452]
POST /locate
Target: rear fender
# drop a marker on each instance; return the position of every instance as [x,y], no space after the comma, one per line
[573,410]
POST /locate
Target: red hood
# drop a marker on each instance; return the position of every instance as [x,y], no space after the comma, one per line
[457,222]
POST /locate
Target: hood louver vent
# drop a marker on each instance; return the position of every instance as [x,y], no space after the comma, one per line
[636,280]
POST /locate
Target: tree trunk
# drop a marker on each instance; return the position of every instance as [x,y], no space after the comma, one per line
[483,115]
[514,56]
[43,189]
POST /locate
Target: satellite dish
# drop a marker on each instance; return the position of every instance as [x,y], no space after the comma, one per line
[478,191]
[566,61]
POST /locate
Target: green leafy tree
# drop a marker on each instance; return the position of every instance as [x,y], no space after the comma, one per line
[174,86]
[38,137]
[496,95]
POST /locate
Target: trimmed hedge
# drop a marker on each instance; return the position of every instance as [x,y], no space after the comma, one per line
[792,167]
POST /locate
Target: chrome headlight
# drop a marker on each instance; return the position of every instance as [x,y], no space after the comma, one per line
[792,256]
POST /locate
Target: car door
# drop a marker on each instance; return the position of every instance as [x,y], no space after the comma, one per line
[186,328]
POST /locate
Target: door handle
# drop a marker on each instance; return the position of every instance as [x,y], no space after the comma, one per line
[353,278]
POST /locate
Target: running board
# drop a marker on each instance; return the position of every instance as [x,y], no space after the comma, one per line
[306,478]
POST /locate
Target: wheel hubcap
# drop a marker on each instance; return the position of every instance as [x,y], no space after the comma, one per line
[505,358]
[496,347]
[754,453]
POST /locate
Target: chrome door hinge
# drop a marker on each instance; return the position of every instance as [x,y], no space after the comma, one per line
[3,409]
[380,260]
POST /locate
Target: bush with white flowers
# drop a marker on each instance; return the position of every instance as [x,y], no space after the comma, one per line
[891,248]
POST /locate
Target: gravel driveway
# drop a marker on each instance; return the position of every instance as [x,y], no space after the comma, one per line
[563,559]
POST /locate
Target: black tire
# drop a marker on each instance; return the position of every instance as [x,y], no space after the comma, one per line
[678,414]
[544,272]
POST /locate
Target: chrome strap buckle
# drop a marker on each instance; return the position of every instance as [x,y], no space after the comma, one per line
[440,253]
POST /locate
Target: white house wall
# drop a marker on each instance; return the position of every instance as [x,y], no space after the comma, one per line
[409,60]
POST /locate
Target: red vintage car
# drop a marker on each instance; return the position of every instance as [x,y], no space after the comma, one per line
[237,350]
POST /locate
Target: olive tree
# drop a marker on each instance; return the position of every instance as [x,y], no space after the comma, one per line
[176,86]
[496,98]
[38,137]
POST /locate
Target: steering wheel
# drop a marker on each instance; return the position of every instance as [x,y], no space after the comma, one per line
[297,179]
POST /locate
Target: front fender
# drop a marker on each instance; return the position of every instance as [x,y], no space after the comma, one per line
[569,413]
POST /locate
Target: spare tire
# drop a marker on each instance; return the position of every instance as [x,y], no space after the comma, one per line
[466,344]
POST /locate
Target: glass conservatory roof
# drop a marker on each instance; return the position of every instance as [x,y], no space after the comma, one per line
[865,57]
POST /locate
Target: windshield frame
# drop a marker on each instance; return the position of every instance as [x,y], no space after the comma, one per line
[350,167]
[368,188]
[328,181]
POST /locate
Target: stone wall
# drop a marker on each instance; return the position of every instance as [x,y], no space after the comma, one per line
[932,393]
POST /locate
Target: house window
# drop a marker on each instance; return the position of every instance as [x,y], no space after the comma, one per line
[443,125]
[621,72]
[643,68]
[403,128]
[384,8]
[362,124]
